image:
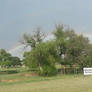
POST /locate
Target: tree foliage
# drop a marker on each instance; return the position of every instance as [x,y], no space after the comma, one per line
[68,48]
[34,39]
[74,47]
[6,60]
[42,57]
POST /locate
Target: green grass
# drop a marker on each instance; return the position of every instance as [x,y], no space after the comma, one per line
[34,83]
[23,76]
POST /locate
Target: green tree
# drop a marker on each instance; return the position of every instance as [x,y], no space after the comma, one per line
[34,39]
[4,55]
[7,60]
[71,47]
[77,48]
[43,56]
[61,42]
[15,61]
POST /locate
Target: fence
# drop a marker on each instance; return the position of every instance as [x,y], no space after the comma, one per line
[70,70]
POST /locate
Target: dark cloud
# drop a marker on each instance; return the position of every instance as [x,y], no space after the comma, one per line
[19,16]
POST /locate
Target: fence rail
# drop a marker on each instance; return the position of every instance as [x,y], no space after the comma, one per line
[70,70]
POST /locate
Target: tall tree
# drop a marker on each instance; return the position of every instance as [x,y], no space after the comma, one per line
[61,41]
[34,39]
[43,57]
[77,48]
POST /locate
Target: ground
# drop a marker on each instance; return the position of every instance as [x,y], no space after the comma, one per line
[30,82]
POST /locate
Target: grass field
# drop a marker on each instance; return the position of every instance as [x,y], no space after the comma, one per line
[29,82]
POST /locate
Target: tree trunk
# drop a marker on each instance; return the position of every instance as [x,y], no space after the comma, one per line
[41,69]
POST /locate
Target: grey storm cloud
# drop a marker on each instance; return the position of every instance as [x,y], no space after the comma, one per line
[20,16]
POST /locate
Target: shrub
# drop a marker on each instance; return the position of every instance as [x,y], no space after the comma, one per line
[48,71]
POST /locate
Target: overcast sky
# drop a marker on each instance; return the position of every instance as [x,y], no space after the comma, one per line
[20,16]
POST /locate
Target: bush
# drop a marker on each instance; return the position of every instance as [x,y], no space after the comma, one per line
[48,71]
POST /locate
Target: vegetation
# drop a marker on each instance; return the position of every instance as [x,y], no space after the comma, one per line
[67,49]
[43,58]
[6,60]
[62,83]
[63,56]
